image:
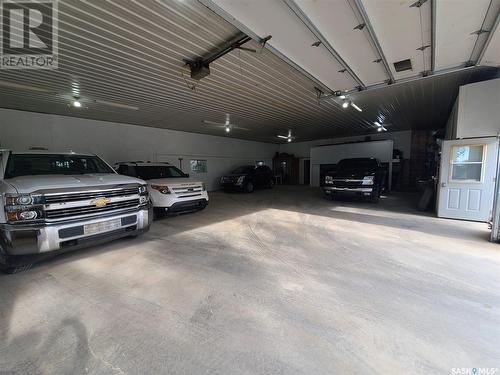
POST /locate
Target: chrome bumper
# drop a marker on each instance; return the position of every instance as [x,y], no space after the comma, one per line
[45,238]
[329,190]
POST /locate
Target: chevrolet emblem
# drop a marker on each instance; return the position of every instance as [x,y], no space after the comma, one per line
[100,201]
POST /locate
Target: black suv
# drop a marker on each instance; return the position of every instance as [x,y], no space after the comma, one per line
[359,176]
[248,177]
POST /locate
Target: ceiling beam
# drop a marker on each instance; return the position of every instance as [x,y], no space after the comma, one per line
[361,9]
[433,35]
[210,4]
[491,32]
[310,25]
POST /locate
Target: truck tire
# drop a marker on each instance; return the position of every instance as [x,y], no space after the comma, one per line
[17,269]
[375,197]
[249,187]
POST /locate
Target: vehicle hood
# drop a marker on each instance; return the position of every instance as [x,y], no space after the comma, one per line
[353,174]
[174,181]
[30,184]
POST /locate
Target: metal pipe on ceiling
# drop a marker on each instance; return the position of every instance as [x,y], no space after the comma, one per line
[366,20]
[433,35]
[310,25]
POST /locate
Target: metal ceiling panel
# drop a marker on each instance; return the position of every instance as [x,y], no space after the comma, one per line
[338,23]
[401,30]
[290,36]
[125,60]
[456,22]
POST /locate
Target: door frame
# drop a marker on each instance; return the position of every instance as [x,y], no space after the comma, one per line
[469,142]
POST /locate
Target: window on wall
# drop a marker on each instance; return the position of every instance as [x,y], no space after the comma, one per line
[260,163]
[467,163]
[198,166]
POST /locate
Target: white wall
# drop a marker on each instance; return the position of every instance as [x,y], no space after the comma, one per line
[114,142]
[401,139]
[479,110]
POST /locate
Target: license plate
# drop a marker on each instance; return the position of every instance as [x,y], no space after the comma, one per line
[102,226]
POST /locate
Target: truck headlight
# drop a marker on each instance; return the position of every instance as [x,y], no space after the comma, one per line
[143,199]
[328,180]
[240,180]
[22,215]
[161,189]
[368,180]
[18,199]
[142,189]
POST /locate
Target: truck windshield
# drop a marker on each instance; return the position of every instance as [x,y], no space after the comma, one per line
[54,164]
[158,171]
[244,169]
[364,164]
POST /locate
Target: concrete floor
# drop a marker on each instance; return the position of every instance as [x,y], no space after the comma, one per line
[275,282]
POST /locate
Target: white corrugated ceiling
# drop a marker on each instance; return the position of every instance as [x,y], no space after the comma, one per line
[126,62]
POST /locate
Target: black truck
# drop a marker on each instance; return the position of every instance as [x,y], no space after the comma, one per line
[358,176]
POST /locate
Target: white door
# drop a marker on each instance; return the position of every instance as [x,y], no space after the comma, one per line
[467,179]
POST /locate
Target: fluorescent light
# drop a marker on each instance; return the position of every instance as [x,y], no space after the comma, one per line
[345,105]
[355,106]
[77,104]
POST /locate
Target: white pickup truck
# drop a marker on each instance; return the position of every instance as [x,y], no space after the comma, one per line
[55,202]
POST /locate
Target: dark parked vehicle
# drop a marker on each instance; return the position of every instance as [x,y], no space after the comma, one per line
[247,178]
[359,176]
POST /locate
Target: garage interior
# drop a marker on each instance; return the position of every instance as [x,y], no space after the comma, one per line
[282,280]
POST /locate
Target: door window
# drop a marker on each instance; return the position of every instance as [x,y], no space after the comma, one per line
[467,163]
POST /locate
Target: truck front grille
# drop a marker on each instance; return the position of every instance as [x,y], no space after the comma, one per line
[90,210]
[72,197]
[187,189]
[349,183]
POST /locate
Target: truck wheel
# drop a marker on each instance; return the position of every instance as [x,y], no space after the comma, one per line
[17,269]
[249,187]
[375,197]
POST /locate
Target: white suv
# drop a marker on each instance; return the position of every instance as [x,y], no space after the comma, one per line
[170,189]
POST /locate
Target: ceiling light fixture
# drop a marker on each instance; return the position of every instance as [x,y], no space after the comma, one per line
[116,105]
[345,105]
[380,127]
[76,103]
[342,97]
[228,129]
